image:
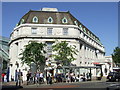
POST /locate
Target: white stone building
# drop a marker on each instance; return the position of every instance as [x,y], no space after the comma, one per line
[108,64]
[48,25]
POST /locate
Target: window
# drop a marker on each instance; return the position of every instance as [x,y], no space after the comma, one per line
[64,20]
[76,23]
[34,30]
[22,21]
[50,20]
[35,19]
[88,33]
[49,48]
[65,31]
[49,31]
[84,30]
[81,46]
[80,27]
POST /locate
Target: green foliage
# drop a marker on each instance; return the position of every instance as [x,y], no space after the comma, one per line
[64,53]
[116,55]
[34,53]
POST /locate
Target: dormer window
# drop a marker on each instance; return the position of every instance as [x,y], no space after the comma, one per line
[22,21]
[80,27]
[84,30]
[88,33]
[16,25]
[64,20]
[35,19]
[50,20]
[91,35]
[75,22]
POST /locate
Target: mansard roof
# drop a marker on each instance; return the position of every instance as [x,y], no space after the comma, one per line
[57,17]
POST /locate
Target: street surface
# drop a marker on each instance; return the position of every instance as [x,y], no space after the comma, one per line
[92,85]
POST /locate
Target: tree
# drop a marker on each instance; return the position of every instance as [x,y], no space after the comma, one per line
[64,53]
[116,56]
[34,53]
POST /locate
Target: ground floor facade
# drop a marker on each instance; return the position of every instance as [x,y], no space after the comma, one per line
[86,57]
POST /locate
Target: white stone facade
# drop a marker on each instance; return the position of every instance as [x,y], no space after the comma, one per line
[22,35]
[90,51]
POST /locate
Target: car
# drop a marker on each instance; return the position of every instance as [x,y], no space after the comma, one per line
[113,76]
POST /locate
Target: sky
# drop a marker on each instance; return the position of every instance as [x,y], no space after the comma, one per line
[99,17]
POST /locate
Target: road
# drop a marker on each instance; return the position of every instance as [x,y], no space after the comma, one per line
[92,85]
[76,85]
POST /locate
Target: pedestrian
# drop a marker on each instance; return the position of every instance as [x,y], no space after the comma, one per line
[37,76]
[78,78]
[5,78]
[87,75]
[41,77]
[74,78]
[81,77]
[16,75]
[34,77]
[67,77]
[19,78]
[56,77]
[3,74]
[71,77]
[84,79]
[49,78]
[28,77]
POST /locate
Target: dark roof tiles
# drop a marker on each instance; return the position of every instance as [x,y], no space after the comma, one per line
[56,16]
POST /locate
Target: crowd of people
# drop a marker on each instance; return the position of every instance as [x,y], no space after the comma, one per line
[48,77]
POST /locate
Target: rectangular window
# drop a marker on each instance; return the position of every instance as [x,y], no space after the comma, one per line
[65,31]
[49,31]
[34,30]
[49,48]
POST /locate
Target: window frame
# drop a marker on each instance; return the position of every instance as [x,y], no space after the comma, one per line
[33,20]
[49,31]
[34,30]
[51,20]
[64,19]
[65,32]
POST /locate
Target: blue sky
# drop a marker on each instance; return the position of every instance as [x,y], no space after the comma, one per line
[99,17]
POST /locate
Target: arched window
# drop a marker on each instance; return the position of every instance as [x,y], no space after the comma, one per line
[84,30]
[75,22]
[88,33]
[22,21]
[64,20]
[50,20]
[35,19]
[80,26]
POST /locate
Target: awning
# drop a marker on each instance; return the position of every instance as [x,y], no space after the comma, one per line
[96,63]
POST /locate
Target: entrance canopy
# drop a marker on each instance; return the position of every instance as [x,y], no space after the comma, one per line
[81,67]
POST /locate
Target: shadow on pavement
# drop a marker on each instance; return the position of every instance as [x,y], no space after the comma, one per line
[13,87]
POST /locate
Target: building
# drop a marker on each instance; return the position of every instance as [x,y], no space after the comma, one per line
[109,64]
[46,26]
[4,53]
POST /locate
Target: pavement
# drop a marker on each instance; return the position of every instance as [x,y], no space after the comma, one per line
[12,85]
[25,83]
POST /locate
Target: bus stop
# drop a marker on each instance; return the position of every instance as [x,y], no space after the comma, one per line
[79,69]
